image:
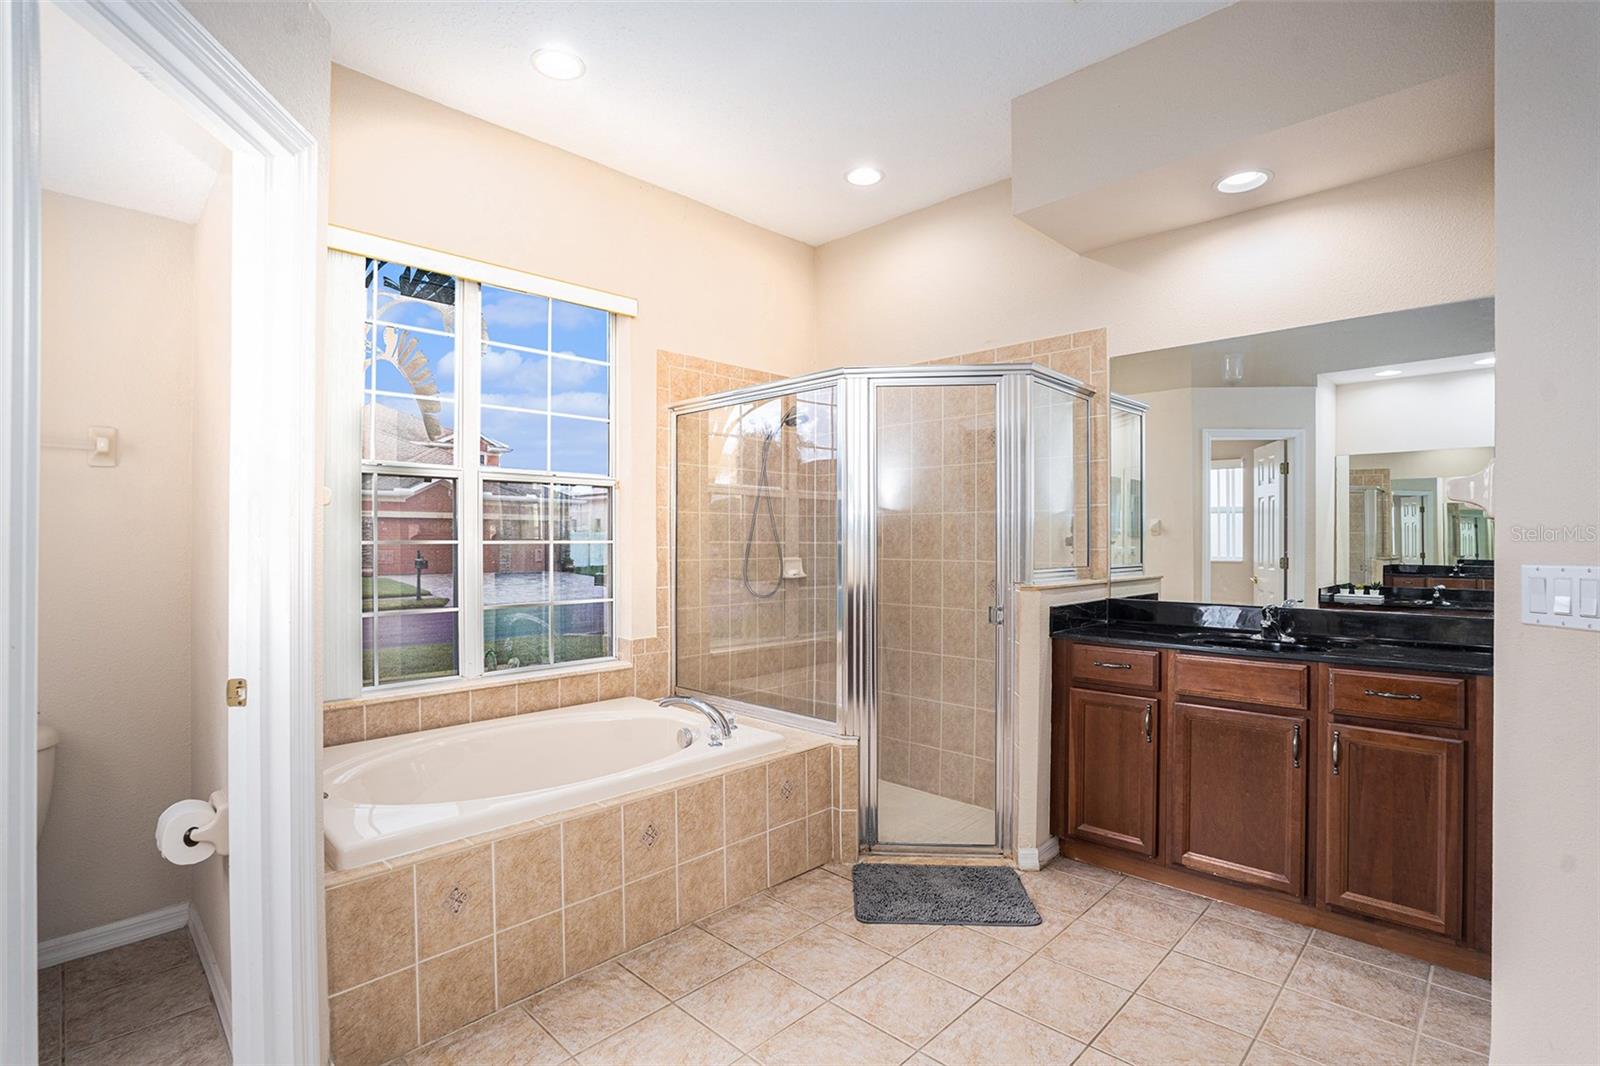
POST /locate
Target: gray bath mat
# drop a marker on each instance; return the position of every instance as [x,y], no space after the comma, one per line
[906,894]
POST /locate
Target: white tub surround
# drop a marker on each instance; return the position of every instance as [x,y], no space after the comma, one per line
[386,798]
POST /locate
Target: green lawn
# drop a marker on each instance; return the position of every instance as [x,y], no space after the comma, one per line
[396,595]
[417,662]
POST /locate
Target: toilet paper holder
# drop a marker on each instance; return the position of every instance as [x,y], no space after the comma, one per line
[214,832]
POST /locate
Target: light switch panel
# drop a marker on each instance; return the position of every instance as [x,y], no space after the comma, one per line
[1566,596]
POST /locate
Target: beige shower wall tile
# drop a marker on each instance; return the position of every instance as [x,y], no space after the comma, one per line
[371,929]
[455,903]
[497,702]
[456,988]
[392,717]
[592,854]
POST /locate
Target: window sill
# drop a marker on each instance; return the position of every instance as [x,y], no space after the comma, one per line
[457,684]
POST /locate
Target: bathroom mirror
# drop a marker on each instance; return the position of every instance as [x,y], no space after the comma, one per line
[1275,465]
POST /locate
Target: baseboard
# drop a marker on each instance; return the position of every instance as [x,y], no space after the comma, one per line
[61,949]
[1037,858]
[220,994]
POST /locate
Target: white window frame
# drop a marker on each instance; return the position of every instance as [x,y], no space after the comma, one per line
[345,466]
[1220,509]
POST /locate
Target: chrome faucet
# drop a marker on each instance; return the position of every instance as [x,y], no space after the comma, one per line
[722,725]
[1273,622]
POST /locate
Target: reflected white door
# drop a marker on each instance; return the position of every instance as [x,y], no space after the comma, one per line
[1408,529]
[1268,514]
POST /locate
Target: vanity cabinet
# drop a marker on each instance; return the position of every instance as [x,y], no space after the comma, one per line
[1111,784]
[1352,798]
[1394,826]
[1239,794]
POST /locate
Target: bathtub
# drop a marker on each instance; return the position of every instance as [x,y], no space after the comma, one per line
[388,797]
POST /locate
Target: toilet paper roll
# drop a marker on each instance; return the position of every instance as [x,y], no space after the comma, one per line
[177,820]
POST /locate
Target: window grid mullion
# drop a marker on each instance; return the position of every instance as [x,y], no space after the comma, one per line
[469,420]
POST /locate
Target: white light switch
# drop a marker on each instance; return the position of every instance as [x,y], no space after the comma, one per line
[1567,596]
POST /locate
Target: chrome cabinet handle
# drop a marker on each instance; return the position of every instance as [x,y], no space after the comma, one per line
[1335,753]
[1147,723]
[1294,746]
[1113,666]
[1382,695]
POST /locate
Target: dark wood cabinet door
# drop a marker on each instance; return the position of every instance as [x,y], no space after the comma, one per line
[1111,785]
[1239,795]
[1392,843]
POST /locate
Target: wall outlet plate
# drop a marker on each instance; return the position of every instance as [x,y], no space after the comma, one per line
[1567,597]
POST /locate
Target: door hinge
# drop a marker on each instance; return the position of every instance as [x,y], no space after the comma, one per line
[1283,468]
[997,615]
[1283,562]
[238,692]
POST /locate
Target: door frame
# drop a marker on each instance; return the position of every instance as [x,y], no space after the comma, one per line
[1295,440]
[275,888]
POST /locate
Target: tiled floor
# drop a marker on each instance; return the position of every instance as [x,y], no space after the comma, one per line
[1122,970]
[912,816]
[143,1003]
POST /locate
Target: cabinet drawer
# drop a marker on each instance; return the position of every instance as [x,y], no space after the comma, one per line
[1100,665]
[1241,680]
[1398,697]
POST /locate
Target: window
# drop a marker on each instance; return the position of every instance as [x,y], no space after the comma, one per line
[1227,510]
[486,473]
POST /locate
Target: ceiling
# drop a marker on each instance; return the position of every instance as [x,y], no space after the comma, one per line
[126,143]
[757,109]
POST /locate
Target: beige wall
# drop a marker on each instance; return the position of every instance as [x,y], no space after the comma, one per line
[1547,682]
[208,559]
[118,350]
[964,274]
[1401,415]
[706,282]
[1230,582]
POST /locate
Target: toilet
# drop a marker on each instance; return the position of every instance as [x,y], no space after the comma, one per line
[48,739]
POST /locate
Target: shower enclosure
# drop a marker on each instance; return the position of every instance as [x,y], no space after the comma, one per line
[843,549]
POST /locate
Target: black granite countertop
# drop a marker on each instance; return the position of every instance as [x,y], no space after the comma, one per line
[1478,570]
[1475,601]
[1407,640]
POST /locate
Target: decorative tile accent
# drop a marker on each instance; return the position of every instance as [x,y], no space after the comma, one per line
[454,901]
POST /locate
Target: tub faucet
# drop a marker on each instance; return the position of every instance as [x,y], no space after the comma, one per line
[721,722]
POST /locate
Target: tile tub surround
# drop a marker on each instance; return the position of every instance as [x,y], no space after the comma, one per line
[641,671]
[143,1002]
[422,945]
[788,976]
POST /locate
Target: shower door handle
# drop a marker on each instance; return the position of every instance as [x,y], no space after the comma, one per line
[997,615]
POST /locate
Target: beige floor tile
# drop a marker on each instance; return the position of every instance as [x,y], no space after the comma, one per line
[1375,956]
[192,1039]
[1063,892]
[669,1037]
[831,1035]
[1261,1054]
[1147,1033]
[1261,923]
[1249,951]
[1373,990]
[750,1005]
[1177,897]
[683,961]
[966,957]
[1457,981]
[990,1034]
[1096,1057]
[758,924]
[905,1002]
[1066,1000]
[884,936]
[1143,917]
[507,1038]
[825,960]
[1062,864]
[1031,938]
[1333,1035]
[1103,952]
[1431,1052]
[817,893]
[1457,1019]
[110,1010]
[127,963]
[585,1009]
[1210,992]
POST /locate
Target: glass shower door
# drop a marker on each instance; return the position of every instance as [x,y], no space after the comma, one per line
[936,517]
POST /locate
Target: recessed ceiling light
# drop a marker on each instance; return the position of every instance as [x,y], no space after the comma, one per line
[864,176]
[1388,373]
[1487,360]
[558,63]
[1244,181]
